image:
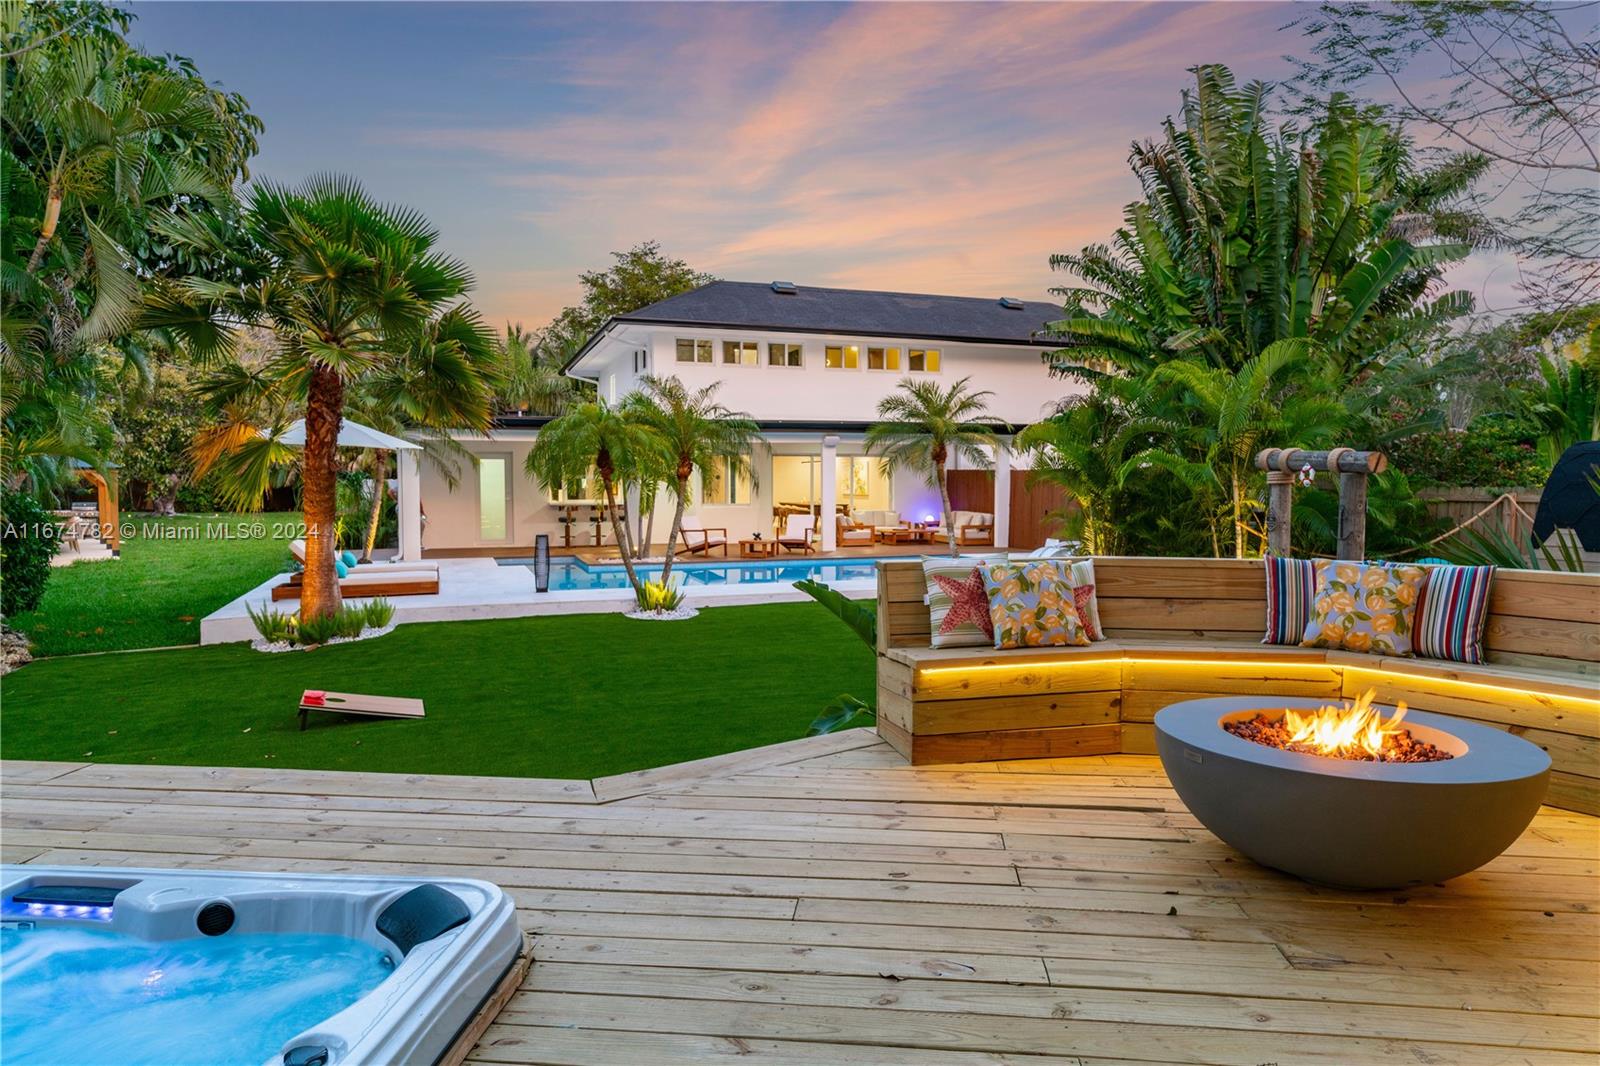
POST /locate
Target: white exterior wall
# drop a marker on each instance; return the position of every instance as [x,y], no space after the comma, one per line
[1023,390]
[1023,393]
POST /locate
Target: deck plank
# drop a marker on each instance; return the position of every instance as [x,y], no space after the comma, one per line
[823,903]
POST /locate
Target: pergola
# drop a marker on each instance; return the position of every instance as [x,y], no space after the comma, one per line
[104,481]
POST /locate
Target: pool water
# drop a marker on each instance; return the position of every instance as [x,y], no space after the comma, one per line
[88,997]
[569,574]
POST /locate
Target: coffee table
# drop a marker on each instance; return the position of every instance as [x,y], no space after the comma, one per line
[903,535]
[752,548]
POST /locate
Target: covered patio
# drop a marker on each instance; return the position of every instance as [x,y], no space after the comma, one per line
[821,902]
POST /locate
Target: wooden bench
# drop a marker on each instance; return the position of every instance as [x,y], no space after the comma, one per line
[1185,628]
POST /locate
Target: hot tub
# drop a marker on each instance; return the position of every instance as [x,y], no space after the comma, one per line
[122,967]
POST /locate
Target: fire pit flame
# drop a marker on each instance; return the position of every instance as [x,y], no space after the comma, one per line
[1342,731]
[1358,731]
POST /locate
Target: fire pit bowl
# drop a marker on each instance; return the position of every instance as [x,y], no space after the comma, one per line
[1349,823]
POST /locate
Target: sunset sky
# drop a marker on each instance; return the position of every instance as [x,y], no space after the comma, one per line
[946,148]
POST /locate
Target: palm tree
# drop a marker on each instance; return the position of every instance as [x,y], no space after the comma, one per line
[1236,413]
[610,442]
[353,290]
[1091,448]
[920,427]
[699,434]
[531,373]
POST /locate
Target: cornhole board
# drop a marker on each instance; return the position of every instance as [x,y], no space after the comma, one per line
[358,704]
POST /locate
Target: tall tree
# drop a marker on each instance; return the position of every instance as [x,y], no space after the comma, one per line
[698,435]
[352,289]
[636,278]
[1266,273]
[922,425]
[1517,83]
[100,141]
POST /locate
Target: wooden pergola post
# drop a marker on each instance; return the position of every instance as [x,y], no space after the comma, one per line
[1353,468]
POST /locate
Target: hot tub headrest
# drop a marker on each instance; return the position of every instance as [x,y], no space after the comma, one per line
[420,915]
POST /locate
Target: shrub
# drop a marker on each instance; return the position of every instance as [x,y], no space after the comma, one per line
[656,596]
[275,627]
[27,541]
[350,621]
[319,629]
[1494,451]
[379,612]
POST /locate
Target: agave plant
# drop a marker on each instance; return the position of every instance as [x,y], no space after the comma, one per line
[660,596]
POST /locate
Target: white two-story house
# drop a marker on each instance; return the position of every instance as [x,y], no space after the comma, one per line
[809,366]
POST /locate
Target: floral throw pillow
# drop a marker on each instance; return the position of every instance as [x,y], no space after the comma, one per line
[1366,607]
[1032,604]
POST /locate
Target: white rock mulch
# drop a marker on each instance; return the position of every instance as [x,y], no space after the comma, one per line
[281,645]
[677,614]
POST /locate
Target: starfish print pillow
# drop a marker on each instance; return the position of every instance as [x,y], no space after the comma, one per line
[958,606]
[1033,604]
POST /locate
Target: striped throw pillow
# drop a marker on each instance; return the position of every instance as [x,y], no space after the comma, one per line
[1451,611]
[1291,585]
[958,604]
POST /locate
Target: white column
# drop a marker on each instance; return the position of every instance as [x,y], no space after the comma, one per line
[1002,493]
[410,491]
[829,521]
[632,501]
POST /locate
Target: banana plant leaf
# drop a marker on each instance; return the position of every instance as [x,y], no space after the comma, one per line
[859,616]
[841,714]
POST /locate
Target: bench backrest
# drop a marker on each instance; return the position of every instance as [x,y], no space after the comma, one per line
[1536,619]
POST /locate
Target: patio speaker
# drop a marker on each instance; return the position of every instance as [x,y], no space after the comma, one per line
[541,562]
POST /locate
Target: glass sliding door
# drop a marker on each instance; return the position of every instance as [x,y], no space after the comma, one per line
[494,498]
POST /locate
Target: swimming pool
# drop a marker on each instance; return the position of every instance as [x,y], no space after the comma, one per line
[122,967]
[569,574]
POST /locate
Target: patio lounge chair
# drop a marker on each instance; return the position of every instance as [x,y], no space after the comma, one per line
[972,527]
[697,538]
[853,534]
[298,549]
[797,533]
[373,582]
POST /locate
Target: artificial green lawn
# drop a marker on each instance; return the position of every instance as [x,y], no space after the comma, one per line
[171,575]
[572,696]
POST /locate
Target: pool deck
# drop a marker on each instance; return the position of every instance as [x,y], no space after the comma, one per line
[477,588]
[821,902]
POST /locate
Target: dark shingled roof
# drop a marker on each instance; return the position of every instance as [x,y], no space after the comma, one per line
[754,305]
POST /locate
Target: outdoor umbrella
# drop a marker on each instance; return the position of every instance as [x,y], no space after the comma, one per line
[351,435]
[1571,498]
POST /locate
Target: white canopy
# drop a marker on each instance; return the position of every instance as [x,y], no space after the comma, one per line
[351,435]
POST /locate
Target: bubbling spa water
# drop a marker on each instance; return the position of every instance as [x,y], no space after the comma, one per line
[83,997]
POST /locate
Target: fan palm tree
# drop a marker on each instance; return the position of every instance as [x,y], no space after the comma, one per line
[353,291]
[699,434]
[922,425]
[608,441]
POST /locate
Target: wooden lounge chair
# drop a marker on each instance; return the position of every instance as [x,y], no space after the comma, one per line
[369,583]
[297,548]
[357,704]
[972,527]
[797,532]
[698,538]
[853,534]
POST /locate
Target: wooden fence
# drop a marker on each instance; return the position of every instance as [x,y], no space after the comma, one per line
[1031,504]
[1458,505]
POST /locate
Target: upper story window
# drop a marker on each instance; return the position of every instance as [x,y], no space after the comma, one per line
[691,351]
[883,358]
[841,357]
[786,355]
[742,353]
[923,359]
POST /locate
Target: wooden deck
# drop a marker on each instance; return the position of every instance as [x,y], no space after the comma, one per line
[821,902]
